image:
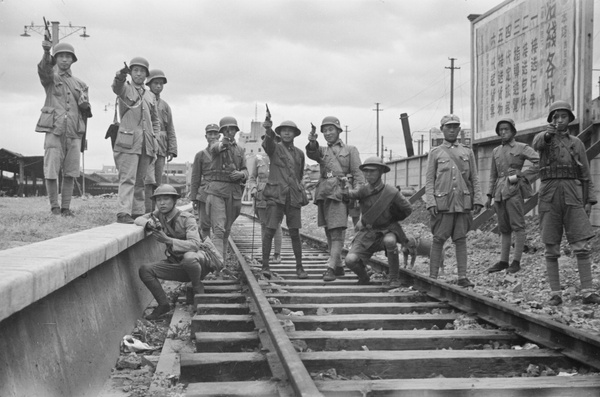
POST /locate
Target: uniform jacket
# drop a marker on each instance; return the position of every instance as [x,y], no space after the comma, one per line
[139,119]
[166,138]
[347,156]
[225,159]
[180,226]
[512,156]
[452,183]
[558,153]
[368,196]
[258,177]
[64,94]
[201,174]
[285,172]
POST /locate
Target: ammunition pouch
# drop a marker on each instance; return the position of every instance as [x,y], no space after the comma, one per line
[560,171]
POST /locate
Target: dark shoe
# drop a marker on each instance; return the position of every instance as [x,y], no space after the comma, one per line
[555,300]
[124,218]
[590,298]
[339,271]
[66,212]
[301,272]
[329,275]
[55,210]
[498,267]
[364,280]
[514,267]
[276,259]
[158,311]
[465,283]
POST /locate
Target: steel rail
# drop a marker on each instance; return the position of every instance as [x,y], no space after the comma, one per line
[298,376]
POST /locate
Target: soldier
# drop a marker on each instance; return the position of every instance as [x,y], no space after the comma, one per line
[382,207]
[452,191]
[225,189]
[259,175]
[509,187]
[338,165]
[135,146]
[187,260]
[63,120]
[566,197]
[166,148]
[284,192]
[201,174]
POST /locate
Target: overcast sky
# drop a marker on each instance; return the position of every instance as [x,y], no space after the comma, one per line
[306,59]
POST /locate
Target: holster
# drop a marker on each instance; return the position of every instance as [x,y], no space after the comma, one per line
[585,186]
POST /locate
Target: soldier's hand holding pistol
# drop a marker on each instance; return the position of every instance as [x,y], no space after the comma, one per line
[312,136]
[47,46]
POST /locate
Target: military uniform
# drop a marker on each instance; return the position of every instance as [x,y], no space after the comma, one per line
[201,175]
[224,201]
[452,185]
[166,144]
[135,146]
[509,188]
[184,262]
[64,125]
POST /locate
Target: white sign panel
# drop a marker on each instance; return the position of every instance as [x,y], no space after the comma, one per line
[524,61]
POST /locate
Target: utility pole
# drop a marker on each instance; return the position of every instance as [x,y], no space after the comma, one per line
[452,67]
[390,154]
[346,135]
[382,148]
[56,31]
[377,140]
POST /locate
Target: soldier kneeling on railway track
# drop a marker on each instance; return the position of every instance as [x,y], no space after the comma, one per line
[382,207]
[188,258]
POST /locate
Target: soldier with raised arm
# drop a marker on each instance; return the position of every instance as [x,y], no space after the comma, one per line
[338,164]
[566,197]
[63,120]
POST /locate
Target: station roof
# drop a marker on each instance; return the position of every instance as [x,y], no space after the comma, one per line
[9,161]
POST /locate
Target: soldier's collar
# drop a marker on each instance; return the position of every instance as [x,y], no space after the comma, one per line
[450,144]
[510,143]
[338,142]
[65,72]
[170,215]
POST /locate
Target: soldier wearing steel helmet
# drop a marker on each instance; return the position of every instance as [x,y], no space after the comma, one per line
[509,186]
[135,146]
[225,189]
[166,140]
[382,207]
[338,164]
[201,175]
[566,196]
[284,193]
[63,120]
[452,193]
[187,258]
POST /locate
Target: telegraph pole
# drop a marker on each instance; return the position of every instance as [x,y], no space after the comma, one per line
[382,148]
[346,135]
[452,67]
[377,109]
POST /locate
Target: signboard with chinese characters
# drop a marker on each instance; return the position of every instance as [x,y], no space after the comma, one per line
[525,58]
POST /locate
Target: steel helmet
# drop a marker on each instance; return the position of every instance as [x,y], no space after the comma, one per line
[376,162]
[212,127]
[139,61]
[156,74]
[506,120]
[166,190]
[330,120]
[228,121]
[290,124]
[560,105]
[65,47]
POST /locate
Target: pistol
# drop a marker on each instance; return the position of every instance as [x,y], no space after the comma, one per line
[268,116]
[47,34]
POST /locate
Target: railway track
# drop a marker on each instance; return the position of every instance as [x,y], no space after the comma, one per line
[285,337]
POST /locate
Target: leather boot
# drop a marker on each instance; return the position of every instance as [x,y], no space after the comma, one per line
[394,265]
